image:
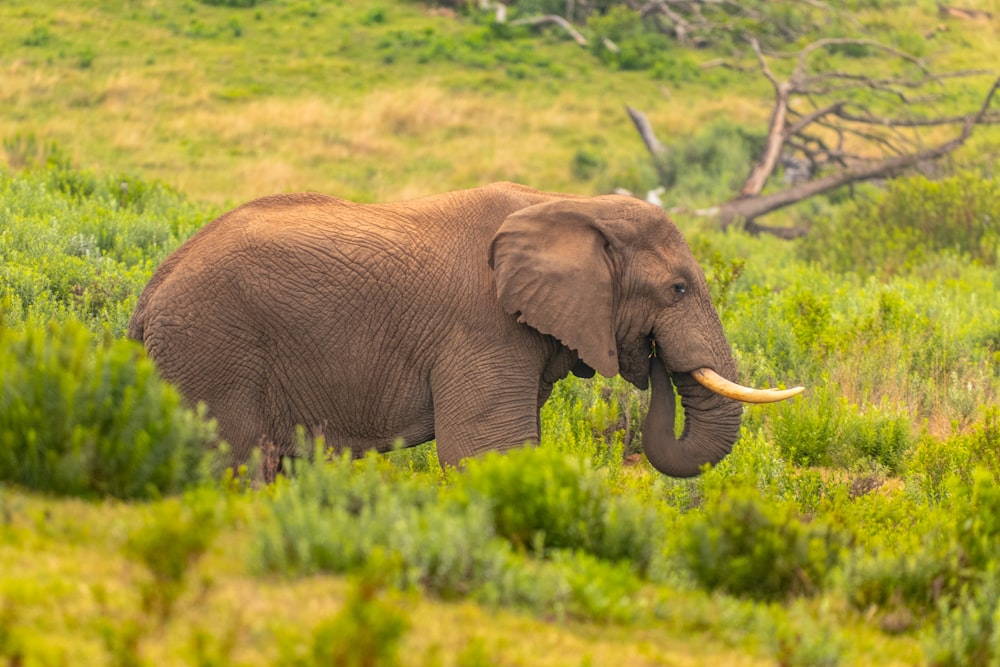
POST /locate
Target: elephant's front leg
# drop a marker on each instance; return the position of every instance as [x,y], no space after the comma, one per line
[484,407]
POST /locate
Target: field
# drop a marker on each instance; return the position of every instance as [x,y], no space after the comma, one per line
[858,524]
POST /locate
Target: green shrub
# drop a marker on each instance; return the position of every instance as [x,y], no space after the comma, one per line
[76,418]
[967,634]
[932,465]
[80,245]
[899,230]
[746,545]
[366,633]
[543,499]
[891,578]
[331,519]
[711,163]
[168,544]
[340,517]
[823,429]
[598,419]
[968,630]
[637,46]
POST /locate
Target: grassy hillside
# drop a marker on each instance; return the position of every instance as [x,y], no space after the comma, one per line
[371,101]
[854,526]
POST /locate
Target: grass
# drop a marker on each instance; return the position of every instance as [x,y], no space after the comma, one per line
[299,101]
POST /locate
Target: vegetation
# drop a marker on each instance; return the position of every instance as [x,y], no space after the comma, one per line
[855,525]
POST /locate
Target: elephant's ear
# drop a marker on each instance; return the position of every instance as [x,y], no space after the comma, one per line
[552,267]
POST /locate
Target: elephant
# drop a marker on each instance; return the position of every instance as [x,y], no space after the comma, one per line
[446,317]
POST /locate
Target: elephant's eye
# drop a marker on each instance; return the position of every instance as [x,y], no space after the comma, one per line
[678,288]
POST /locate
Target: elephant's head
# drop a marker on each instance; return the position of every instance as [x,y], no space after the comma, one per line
[612,278]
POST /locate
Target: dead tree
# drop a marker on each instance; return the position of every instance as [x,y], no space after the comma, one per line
[844,126]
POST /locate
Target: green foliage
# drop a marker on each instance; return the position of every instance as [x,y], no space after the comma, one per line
[637,46]
[901,230]
[586,164]
[330,519]
[710,164]
[79,245]
[823,429]
[932,464]
[365,633]
[543,499]
[169,544]
[92,419]
[744,544]
[455,541]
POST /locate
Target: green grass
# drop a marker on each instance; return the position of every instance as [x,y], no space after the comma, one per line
[854,525]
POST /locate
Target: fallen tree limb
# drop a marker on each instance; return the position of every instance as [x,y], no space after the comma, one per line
[817,125]
[554,19]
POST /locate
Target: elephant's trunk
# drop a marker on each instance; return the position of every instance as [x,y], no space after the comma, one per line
[711,424]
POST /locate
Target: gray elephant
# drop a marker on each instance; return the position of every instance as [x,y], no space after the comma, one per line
[447,317]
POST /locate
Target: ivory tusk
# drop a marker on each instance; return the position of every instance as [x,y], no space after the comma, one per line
[720,385]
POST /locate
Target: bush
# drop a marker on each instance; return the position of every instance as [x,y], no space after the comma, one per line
[340,517]
[638,46]
[899,230]
[968,630]
[331,519]
[94,421]
[745,545]
[542,499]
[365,633]
[80,245]
[931,465]
[823,429]
[710,164]
[170,541]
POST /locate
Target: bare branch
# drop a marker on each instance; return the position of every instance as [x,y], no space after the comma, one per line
[907,122]
[810,118]
[839,140]
[656,149]
[824,43]
[558,20]
[763,63]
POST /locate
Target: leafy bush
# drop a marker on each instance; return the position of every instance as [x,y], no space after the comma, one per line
[746,545]
[365,633]
[932,464]
[824,429]
[968,630]
[330,519]
[168,544]
[337,517]
[76,418]
[899,230]
[637,46]
[711,163]
[542,499]
[80,245]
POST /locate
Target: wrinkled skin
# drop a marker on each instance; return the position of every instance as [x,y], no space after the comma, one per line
[448,317]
